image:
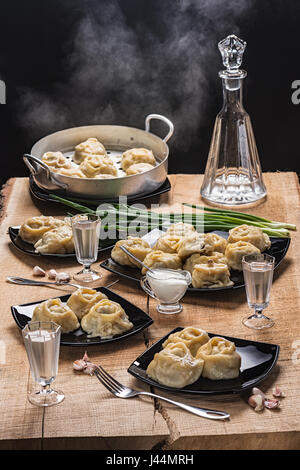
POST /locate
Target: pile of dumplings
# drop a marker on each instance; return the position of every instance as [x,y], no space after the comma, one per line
[190,354]
[90,160]
[88,308]
[48,234]
[207,256]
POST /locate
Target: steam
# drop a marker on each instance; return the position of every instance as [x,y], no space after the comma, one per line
[117,72]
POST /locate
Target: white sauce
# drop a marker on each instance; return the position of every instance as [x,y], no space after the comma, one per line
[168,288]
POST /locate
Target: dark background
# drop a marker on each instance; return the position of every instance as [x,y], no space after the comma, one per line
[68,63]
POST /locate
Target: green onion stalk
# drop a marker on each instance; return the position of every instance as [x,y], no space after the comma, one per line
[122,218]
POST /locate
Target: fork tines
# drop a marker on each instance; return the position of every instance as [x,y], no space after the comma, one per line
[108,381]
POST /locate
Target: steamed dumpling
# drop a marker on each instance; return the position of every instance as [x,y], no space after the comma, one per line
[56,161]
[106,319]
[174,366]
[59,240]
[199,258]
[137,155]
[190,244]
[34,227]
[250,234]
[74,172]
[137,168]
[91,146]
[181,229]
[137,246]
[192,337]
[54,310]
[82,300]
[221,360]
[211,275]
[159,259]
[167,243]
[235,251]
[94,165]
[214,242]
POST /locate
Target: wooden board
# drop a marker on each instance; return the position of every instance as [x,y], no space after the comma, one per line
[91,418]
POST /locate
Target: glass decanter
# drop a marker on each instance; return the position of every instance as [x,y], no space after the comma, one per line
[233,173]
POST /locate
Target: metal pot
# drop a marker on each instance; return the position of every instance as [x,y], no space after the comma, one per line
[116,140]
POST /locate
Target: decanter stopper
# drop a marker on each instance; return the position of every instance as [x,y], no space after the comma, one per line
[232,49]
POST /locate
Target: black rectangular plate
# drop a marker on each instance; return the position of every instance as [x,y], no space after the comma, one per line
[258,359]
[138,317]
[29,249]
[278,249]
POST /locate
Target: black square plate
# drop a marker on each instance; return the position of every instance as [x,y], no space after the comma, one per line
[258,359]
[278,249]
[29,249]
[138,317]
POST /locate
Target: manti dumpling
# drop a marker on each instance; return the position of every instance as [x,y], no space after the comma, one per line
[137,155]
[137,168]
[214,242]
[211,275]
[94,165]
[91,146]
[221,360]
[250,234]
[56,161]
[235,251]
[34,227]
[199,258]
[167,243]
[159,259]
[74,172]
[192,337]
[174,366]
[137,246]
[54,310]
[180,229]
[190,244]
[82,300]
[106,319]
[59,240]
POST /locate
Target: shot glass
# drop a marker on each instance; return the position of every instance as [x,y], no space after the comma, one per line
[42,342]
[258,275]
[167,286]
[86,233]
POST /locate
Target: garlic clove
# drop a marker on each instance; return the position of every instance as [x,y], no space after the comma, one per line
[38,271]
[271,404]
[63,277]
[52,274]
[90,368]
[257,402]
[277,392]
[257,391]
[86,357]
[80,364]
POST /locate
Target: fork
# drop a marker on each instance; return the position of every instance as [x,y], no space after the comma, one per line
[31,282]
[119,390]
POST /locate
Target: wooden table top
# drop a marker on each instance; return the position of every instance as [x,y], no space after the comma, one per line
[91,418]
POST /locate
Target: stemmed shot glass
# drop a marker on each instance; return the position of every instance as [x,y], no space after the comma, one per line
[168,286]
[42,342]
[258,275]
[86,233]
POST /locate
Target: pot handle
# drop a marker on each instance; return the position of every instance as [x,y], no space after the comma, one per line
[36,165]
[34,168]
[161,118]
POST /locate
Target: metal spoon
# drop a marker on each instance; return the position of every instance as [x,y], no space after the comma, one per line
[135,258]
